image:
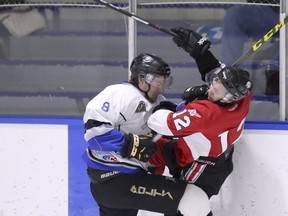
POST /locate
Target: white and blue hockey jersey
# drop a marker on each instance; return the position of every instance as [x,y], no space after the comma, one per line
[119,109]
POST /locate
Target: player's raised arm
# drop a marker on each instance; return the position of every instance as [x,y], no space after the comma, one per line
[197,47]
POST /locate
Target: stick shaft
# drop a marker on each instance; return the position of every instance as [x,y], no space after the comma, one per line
[155,26]
[253,49]
[260,42]
[156,137]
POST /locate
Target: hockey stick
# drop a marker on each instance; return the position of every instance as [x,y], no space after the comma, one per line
[260,42]
[253,49]
[157,137]
[136,17]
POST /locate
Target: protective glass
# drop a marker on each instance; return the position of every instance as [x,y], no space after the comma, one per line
[159,81]
[219,90]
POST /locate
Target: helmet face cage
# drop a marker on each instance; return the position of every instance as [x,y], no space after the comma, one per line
[157,81]
[150,68]
[235,80]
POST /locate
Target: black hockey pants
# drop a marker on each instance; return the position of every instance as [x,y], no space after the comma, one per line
[123,194]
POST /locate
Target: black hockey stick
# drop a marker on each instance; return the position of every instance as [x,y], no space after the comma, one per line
[136,17]
[260,42]
[253,49]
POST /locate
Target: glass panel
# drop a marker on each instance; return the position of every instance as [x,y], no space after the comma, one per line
[233,29]
[62,58]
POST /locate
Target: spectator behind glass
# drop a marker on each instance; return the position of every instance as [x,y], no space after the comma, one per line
[242,22]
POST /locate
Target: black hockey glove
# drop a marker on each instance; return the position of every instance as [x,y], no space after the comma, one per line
[139,147]
[191,41]
[168,105]
[196,92]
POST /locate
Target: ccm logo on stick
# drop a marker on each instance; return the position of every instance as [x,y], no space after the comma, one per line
[267,36]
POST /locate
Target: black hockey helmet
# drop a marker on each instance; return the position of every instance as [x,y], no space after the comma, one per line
[235,80]
[148,66]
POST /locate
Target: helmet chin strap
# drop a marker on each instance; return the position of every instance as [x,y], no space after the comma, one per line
[224,104]
[146,94]
[148,98]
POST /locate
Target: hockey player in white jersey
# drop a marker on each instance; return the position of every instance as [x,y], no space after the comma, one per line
[119,149]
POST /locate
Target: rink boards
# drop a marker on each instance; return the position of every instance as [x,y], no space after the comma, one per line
[42,172]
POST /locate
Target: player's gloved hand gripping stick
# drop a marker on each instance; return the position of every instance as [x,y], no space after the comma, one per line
[177,34]
[191,42]
[203,43]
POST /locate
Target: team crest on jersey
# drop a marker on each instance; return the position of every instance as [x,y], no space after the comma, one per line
[193,112]
[141,107]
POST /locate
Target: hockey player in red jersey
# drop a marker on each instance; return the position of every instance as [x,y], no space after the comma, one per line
[118,149]
[208,123]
